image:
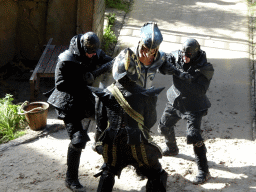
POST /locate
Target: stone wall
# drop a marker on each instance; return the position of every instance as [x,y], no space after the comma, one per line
[94,14]
[31,28]
[8,19]
[98,17]
[61,21]
[27,25]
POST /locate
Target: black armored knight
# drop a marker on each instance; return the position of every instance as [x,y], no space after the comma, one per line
[130,111]
[187,100]
[77,68]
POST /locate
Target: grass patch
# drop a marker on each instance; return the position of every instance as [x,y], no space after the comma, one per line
[111,18]
[118,4]
[109,36]
[12,125]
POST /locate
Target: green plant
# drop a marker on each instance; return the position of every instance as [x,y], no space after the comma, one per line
[108,37]
[252,11]
[111,18]
[12,125]
[118,4]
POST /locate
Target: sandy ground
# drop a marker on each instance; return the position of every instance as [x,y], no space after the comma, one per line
[40,165]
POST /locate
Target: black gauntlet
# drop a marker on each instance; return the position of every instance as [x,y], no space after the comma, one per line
[183,75]
[104,68]
[88,78]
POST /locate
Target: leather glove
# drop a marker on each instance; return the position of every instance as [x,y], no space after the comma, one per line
[107,67]
[88,78]
[79,139]
[184,76]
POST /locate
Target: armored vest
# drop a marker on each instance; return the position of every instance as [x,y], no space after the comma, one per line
[191,96]
[143,105]
[142,75]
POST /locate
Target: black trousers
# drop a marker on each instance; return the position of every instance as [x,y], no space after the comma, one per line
[144,157]
[118,154]
[171,116]
[74,127]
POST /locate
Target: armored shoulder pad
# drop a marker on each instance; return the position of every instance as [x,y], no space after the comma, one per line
[207,70]
[126,64]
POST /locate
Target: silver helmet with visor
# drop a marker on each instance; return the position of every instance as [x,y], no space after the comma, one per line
[150,40]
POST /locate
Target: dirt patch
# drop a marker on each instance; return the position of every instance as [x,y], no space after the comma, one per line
[40,165]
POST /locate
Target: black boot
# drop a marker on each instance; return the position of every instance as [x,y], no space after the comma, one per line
[203,172]
[158,183]
[73,160]
[107,181]
[171,148]
[140,176]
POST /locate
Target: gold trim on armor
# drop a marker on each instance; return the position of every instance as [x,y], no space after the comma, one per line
[129,110]
[114,155]
[127,60]
[145,133]
[134,154]
[125,105]
[137,61]
[143,153]
[98,143]
[105,153]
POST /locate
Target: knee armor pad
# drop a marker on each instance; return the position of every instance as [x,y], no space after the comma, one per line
[79,139]
[198,144]
[165,130]
[72,147]
[194,136]
[200,147]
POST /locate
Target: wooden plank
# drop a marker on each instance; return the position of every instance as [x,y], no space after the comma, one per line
[53,59]
[33,76]
[63,48]
[47,74]
[33,81]
[46,59]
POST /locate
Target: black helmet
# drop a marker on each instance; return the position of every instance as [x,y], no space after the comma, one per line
[150,35]
[191,48]
[90,42]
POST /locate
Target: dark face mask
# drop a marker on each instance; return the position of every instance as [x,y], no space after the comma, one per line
[90,50]
[90,43]
[187,54]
